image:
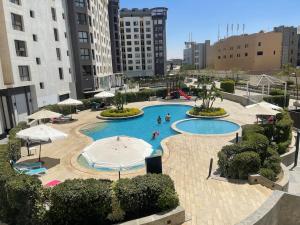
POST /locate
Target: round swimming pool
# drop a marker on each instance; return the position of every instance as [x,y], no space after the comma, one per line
[206,126]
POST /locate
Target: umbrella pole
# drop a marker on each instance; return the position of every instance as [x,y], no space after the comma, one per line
[40,151]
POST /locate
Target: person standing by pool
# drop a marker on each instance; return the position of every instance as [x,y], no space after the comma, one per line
[168,117]
[159,120]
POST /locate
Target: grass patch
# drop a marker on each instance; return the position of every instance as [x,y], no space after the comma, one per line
[126,112]
[196,111]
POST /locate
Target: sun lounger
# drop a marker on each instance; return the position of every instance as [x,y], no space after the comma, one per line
[36,172]
[61,119]
[28,166]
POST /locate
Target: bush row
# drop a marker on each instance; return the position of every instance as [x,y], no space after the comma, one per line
[197,111]
[227,86]
[23,200]
[126,112]
[277,98]
[259,150]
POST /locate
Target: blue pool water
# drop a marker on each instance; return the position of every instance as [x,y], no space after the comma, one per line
[207,126]
[142,127]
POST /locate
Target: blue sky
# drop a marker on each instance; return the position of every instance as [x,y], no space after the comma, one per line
[202,17]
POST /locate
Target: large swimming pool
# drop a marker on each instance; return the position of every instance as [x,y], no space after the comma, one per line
[142,127]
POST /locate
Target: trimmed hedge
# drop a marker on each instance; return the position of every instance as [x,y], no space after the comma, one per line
[268,173]
[80,202]
[277,98]
[126,112]
[227,86]
[145,195]
[23,200]
[196,111]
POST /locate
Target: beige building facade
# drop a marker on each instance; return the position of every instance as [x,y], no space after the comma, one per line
[256,52]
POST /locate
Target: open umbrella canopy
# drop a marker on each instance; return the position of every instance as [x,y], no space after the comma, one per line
[104,94]
[117,152]
[70,102]
[257,109]
[41,133]
[44,114]
[266,105]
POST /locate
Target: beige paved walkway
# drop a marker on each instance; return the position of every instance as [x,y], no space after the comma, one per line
[206,201]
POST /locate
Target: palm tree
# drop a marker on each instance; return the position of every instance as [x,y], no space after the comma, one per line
[208,93]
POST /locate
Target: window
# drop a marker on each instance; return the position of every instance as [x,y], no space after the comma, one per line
[137,49]
[148,22]
[130,67]
[148,42]
[17,22]
[136,29]
[85,54]
[92,39]
[83,37]
[148,48]
[128,30]
[34,37]
[56,36]
[21,48]
[128,42]
[135,23]
[42,86]
[67,52]
[259,43]
[148,35]
[129,49]
[61,73]
[18,2]
[31,12]
[87,70]
[260,53]
[130,61]
[129,56]
[58,54]
[38,61]
[128,36]
[238,47]
[81,19]
[24,73]
[127,23]
[148,29]
[53,13]
[80,3]
[136,42]
[246,54]
[274,52]
[246,45]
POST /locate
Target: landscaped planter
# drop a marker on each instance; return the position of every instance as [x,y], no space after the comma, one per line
[206,117]
[121,117]
[219,111]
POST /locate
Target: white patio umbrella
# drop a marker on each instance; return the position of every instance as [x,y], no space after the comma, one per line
[44,114]
[117,152]
[70,102]
[257,109]
[266,105]
[41,133]
[104,94]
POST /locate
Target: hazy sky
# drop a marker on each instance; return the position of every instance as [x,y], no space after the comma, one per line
[202,18]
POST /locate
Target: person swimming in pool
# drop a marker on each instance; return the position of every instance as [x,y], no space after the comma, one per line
[155,134]
[168,117]
[159,120]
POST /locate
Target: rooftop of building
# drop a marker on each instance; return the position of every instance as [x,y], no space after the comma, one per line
[125,12]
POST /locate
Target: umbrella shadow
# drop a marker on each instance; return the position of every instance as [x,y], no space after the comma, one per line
[47,162]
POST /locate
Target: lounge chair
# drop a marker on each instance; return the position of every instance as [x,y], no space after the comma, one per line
[36,172]
[62,119]
[27,166]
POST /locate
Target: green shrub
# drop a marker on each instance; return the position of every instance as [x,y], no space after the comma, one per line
[276,92]
[140,196]
[168,199]
[244,164]
[252,128]
[227,86]
[256,142]
[13,132]
[80,202]
[268,173]
[126,112]
[279,100]
[283,126]
[22,193]
[207,112]
[14,149]
[23,125]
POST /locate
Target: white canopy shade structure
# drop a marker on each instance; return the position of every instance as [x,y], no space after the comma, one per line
[266,105]
[70,102]
[41,133]
[44,114]
[257,109]
[104,94]
[117,152]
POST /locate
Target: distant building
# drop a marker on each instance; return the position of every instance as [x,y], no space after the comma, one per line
[143,41]
[289,44]
[115,40]
[195,54]
[259,52]
[90,37]
[35,65]
[177,62]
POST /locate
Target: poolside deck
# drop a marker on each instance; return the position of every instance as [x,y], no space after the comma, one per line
[207,201]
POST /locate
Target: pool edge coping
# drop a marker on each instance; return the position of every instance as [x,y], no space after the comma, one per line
[173,126]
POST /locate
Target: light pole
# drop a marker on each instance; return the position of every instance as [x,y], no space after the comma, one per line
[297,94]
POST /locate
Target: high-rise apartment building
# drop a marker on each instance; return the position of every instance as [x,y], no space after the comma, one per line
[195,54]
[143,41]
[115,40]
[289,44]
[35,68]
[90,37]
